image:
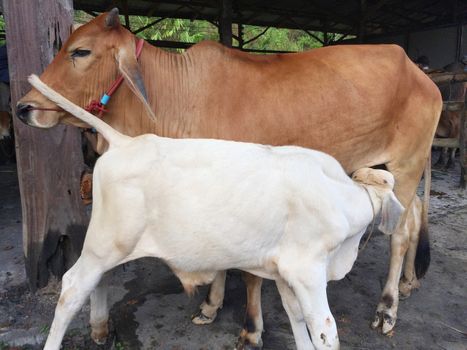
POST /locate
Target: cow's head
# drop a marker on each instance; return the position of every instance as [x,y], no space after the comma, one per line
[84,69]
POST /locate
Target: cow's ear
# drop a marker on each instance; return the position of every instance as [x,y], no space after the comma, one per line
[391,213]
[112,20]
[129,67]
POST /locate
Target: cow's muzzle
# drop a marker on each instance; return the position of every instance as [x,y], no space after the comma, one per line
[23,112]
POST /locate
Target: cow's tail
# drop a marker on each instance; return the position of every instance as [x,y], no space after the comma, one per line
[422,257]
[113,137]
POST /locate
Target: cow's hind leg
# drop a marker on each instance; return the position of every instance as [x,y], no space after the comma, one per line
[77,284]
[441,163]
[409,279]
[407,178]
[297,321]
[452,158]
[250,336]
[208,309]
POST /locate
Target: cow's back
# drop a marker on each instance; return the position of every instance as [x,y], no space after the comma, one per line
[345,100]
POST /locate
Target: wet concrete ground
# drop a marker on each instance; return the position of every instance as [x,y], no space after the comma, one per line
[151,311]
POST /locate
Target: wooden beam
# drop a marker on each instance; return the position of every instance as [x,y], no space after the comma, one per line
[225,22]
[446,77]
[49,161]
[185,45]
[451,142]
[453,106]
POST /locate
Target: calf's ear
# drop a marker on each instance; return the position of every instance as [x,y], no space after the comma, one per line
[391,213]
[129,67]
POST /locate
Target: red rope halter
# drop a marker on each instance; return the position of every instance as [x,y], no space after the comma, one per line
[99,106]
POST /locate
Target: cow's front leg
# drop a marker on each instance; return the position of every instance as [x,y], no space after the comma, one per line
[208,309]
[250,336]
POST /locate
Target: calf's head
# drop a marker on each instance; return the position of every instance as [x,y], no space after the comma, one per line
[85,67]
[380,185]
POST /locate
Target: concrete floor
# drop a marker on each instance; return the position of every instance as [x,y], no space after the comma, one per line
[150,310]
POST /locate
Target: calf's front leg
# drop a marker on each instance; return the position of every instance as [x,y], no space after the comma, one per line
[308,283]
[297,321]
[99,317]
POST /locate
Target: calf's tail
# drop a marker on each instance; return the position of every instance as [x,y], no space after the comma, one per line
[113,137]
[423,256]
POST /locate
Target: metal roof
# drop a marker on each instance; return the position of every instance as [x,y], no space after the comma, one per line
[353,17]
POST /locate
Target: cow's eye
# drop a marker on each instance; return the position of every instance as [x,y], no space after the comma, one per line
[80,53]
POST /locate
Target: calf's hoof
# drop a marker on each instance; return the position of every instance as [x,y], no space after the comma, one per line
[245,344]
[201,319]
[99,333]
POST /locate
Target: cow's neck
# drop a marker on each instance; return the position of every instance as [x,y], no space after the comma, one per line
[167,80]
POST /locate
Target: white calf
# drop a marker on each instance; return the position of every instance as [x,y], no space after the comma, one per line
[284,213]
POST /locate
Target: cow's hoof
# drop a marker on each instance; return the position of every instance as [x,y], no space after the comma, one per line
[245,344]
[388,325]
[385,322]
[378,321]
[200,319]
[406,287]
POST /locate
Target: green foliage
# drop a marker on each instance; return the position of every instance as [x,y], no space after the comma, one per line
[2,30]
[188,31]
[119,346]
[175,29]
[279,39]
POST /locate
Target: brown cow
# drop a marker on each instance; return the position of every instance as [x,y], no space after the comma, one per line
[364,105]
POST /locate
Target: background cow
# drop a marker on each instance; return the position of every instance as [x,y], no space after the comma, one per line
[364,105]
[449,122]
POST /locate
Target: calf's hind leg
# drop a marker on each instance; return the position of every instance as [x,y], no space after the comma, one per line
[77,284]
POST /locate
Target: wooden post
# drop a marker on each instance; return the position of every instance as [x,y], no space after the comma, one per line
[49,161]
[362,22]
[225,23]
[240,36]
[463,145]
